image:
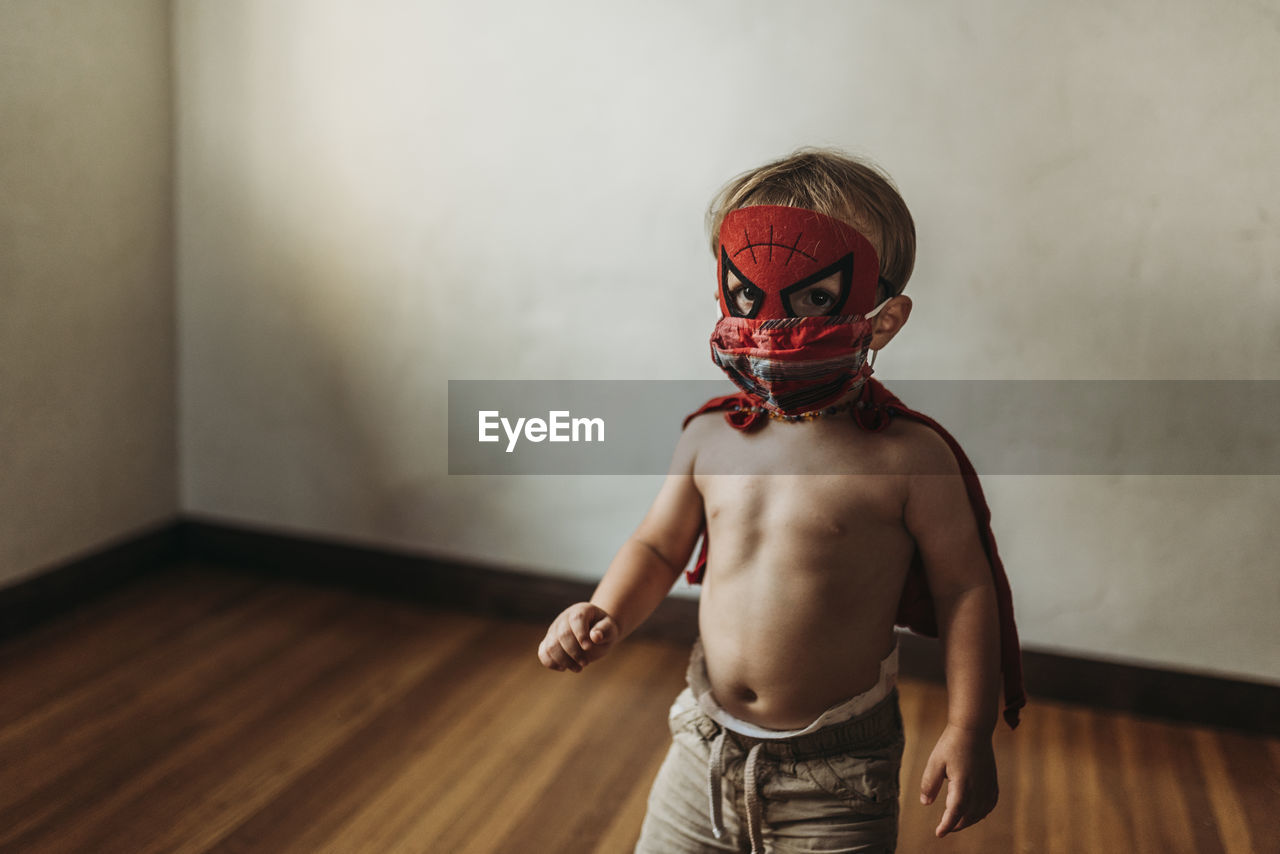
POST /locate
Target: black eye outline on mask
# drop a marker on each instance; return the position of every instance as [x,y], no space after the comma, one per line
[726,267]
[844,267]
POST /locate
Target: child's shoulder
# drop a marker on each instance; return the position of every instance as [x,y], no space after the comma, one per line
[920,448]
[700,429]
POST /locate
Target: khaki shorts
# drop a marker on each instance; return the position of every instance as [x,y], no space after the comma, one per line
[834,789]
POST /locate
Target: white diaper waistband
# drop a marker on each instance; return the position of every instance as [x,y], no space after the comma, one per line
[700,687]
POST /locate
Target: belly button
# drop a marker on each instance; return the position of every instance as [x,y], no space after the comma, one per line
[748,696]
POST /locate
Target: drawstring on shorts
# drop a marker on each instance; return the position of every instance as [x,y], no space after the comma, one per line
[715,770]
[754,817]
[715,773]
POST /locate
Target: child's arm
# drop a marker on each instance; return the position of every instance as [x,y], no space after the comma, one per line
[941,519]
[639,576]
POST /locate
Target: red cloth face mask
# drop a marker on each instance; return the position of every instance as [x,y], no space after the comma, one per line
[796,290]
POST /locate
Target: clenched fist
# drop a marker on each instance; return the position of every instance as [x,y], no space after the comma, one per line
[580,635]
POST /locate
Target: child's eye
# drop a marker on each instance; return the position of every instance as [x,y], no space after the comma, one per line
[814,299]
[745,298]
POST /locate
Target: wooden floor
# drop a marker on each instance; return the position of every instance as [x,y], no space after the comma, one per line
[204,710]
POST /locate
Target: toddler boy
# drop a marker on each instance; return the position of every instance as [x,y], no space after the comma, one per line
[829,511]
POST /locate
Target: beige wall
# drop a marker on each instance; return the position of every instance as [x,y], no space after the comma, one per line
[87,409]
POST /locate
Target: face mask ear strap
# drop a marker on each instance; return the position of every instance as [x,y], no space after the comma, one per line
[888,286]
[871,360]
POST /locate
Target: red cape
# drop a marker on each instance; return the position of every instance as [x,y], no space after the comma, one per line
[877,406]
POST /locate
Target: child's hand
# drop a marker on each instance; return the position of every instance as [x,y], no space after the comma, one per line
[965,759]
[580,635]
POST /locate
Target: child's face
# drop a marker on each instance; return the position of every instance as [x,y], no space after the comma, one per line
[797,289]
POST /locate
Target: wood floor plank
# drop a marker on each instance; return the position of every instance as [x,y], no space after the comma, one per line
[1259,798]
[1142,802]
[1227,806]
[549,778]
[1059,778]
[1189,773]
[1086,781]
[1022,811]
[93,738]
[466,761]
[623,830]
[912,698]
[184,729]
[231,722]
[181,582]
[588,773]
[481,800]
[466,726]
[240,789]
[94,639]
[111,687]
[1175,815]
[174,673]
[1168,821]
[1115,819]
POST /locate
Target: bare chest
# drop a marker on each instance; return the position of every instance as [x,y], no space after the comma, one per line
[824,478]
[810,498]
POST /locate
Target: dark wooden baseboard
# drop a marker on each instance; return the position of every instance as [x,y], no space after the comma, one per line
[488,590]
[497,591]
[1154,692]
[62,587]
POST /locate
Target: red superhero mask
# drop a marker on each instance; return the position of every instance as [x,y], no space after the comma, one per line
[797,289]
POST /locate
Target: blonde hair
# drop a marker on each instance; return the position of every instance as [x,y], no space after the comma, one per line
[833,183]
